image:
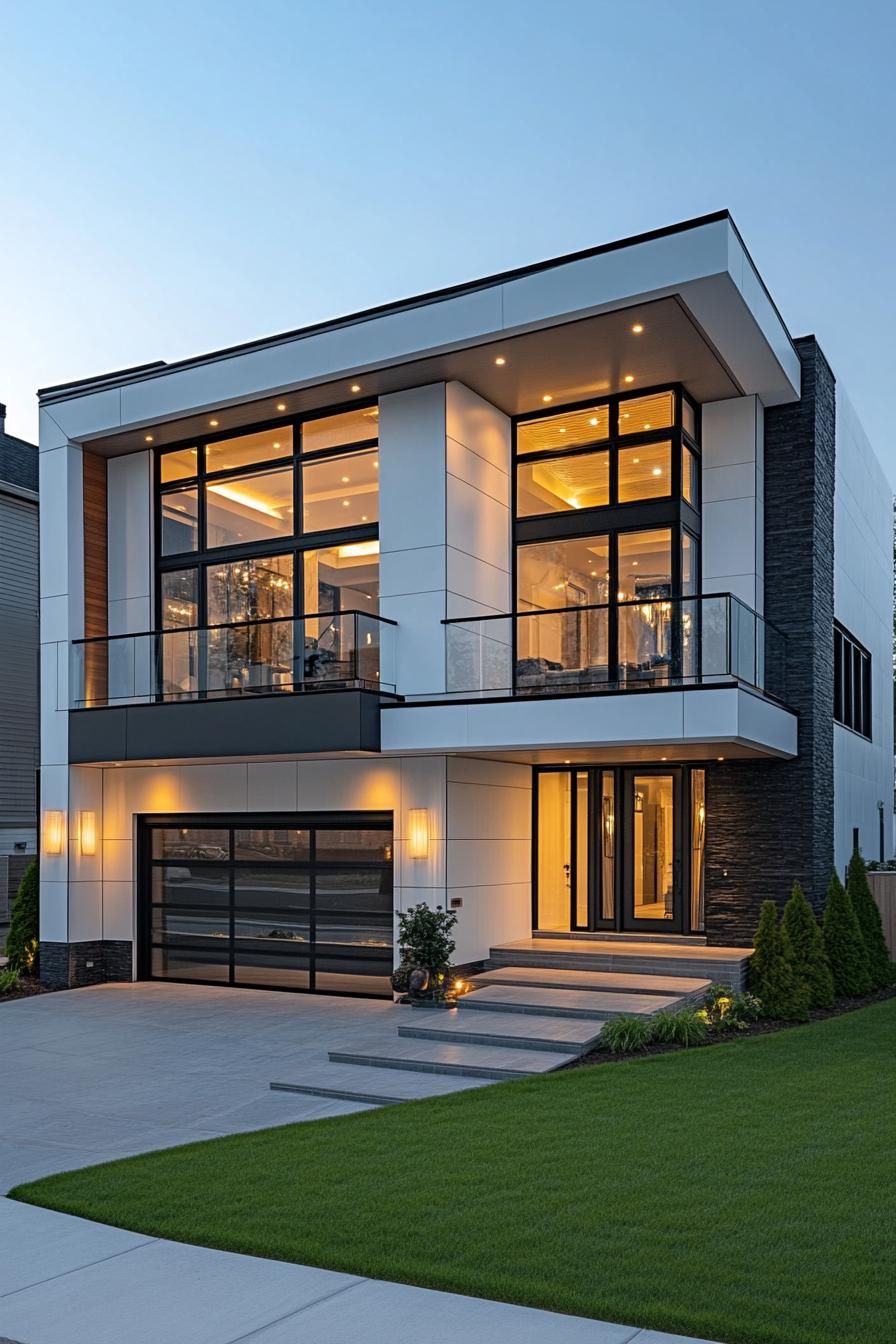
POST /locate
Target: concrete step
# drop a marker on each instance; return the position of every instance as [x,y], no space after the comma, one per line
[455,1057]
[582,936]
[548,977]
[726,964]
[581,1003]
[375,1087]
[560,1035]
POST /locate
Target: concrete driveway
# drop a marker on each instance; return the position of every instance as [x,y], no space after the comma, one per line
[95,1074]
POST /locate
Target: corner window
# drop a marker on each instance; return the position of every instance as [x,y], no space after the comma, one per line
[852,683]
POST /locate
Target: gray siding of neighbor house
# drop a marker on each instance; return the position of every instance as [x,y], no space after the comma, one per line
[771,824]
[19,678]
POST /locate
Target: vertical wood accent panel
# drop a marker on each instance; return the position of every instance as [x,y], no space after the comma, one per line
[96,577]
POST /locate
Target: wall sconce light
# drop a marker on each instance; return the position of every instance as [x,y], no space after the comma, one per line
[87,832]
[54,832]
[418,833]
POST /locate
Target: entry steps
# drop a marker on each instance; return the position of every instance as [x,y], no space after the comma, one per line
[541,1003]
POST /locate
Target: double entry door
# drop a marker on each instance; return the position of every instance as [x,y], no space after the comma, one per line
[619,849]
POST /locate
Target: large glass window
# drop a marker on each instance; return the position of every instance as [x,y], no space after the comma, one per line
[639,414]
[246,449]
[250,590]
[340,492]
[645,472]
[558,484]
[567,429]
[180,522]
[852,682]
[244,509]
[340,431]
[564,573]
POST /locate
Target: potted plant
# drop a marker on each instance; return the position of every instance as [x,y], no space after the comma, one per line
[426,945]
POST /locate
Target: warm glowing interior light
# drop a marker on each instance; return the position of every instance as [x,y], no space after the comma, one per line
[418,833]
[500,361]
[87,832]
[54,832]
[637,329]
[356,548]
[345,503]
[149,438]
[214,423]
[657,471]
[281,405]
[345,480]
[250,501]
[356,387]
[593,420]
[629,378]
[720,758]
[547,397]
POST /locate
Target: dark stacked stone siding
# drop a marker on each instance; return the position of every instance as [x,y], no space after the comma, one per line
[770,824]
[72,965]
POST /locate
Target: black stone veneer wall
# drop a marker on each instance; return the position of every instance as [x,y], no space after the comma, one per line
[72,965]
[772,823]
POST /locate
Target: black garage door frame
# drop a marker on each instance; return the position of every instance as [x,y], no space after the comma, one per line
[309,960]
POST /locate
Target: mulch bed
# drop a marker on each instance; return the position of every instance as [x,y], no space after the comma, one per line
[27,987]
[761,1028]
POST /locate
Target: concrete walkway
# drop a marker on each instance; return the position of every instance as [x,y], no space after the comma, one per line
[107,1072]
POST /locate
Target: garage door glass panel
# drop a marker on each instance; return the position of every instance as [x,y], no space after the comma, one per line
[262,972]
[198,884]
[171,924]
[190,843]
[265,844]
[350,846]
[183,963]
[271,888]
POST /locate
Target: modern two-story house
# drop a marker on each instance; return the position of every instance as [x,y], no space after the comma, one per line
[561,598]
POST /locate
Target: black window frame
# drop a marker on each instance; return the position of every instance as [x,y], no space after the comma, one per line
[853,685]
[294,545]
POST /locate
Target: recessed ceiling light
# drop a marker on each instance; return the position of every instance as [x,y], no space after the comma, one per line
[657,471]
[214,424]
[629,378]
[345,503]
[720,758]
[635,564]
[345,480]
[594,573]
[637,329]
[281,405]
[376,463]
[561,430]
[567,762]
[276,445]
[593,420]
[363,517]
[664,758]
[547,397]
[500,361]
[149,438]
[646,425]
[356,387]
[636,461]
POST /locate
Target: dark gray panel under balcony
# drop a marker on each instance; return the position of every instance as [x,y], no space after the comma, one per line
[263,688]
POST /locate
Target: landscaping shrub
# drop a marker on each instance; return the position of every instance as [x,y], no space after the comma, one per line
[780,988]
[880,967]
[22,938]
[686,1027]
[723,1010]
[807,945]
[9,980]
[424,937]
[843,942]
[623,1035]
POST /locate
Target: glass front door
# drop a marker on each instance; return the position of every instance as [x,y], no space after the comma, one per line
[652,877]
[620,849]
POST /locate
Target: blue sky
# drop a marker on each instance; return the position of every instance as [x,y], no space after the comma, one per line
[177,177]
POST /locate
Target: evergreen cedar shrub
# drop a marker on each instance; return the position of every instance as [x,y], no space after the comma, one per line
[879,965]
[843,942]
[22,938]
[807,946]
[774,978]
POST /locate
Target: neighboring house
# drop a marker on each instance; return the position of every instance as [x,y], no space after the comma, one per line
[562,598]
[19,674]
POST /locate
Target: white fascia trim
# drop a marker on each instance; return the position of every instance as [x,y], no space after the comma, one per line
[706,266]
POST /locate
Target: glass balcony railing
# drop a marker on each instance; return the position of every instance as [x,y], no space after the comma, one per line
[329,651]
[685,641]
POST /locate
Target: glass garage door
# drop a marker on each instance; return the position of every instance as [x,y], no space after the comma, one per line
[300,903]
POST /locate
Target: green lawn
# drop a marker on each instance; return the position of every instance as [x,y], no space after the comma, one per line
[743,1193]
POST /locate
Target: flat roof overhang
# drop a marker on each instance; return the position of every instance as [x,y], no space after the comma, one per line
[699,723]
[709,323]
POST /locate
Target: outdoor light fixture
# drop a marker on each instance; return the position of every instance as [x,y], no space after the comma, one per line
[87,832]
[281,405]
[356,387]
[418,833]
[54,832]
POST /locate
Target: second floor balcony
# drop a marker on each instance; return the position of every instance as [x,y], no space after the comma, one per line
[636,646]
[310,683]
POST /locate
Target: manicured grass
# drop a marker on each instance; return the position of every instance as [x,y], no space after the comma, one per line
[742,1193]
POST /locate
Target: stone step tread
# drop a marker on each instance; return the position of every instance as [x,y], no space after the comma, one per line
[376,1087]
[484,1061]
[596,948]
[555,977]
[552,1033]
[589,1003]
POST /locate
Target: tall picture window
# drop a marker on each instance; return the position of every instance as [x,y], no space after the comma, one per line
[852,682]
